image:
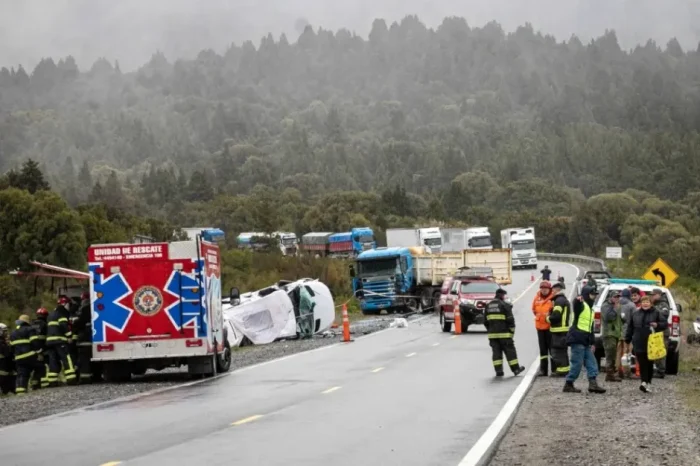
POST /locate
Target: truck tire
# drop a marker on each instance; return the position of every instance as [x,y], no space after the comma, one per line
[223,360]
[672,362]
[446,326]
[116,371]
[370,312]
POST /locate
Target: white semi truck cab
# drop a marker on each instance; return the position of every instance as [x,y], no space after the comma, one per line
[522,243]
[479,238]
[430,239]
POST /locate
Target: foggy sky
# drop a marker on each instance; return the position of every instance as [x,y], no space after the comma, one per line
[130,31]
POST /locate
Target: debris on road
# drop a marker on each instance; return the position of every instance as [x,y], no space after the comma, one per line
[623,427]
[15,409]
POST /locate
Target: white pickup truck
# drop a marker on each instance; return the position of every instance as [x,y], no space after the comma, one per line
[674,318]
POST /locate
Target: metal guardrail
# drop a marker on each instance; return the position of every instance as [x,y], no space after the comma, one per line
[593,262]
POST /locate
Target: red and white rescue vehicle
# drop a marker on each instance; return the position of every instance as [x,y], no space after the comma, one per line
[158,305]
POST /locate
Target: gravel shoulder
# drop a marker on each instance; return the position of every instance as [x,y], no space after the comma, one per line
[42,403]
[621,427]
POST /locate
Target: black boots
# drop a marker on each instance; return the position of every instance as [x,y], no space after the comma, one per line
[593,387]
[569,388]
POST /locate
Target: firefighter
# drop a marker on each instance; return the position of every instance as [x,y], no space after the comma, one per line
[559,321]
[7,369]
[41,377]
[25,344]
[500,325]
[541,307]
[57,339]
[82,334]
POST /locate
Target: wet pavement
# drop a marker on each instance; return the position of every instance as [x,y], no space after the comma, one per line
[410,396]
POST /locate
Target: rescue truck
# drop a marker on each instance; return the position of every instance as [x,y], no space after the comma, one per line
[158,305]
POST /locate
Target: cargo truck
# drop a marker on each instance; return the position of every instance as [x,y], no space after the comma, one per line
[408,279]
[158,305]
[286,242]
[479,238]
[522,242]
[428,239]
[351,243]
[316,243]
[458,239]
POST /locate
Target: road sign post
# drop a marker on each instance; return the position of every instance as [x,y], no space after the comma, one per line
[613,253]
[661,272]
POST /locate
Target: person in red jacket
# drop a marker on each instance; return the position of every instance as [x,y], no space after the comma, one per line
[541,307]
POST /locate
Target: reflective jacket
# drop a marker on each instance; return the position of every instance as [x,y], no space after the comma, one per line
[500,322]
[58,327]
[24,341]
[6,361]
[82,328]
[541,307]
[581,331]
[40,328]
[560,316]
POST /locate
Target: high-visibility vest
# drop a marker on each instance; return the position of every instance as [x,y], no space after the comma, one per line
[565,311]
[585,319]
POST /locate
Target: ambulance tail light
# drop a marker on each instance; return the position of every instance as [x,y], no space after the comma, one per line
[103,348]
[596,322]
[193,343]
[676,326]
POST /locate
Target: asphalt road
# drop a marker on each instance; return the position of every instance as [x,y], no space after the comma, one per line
[409,396]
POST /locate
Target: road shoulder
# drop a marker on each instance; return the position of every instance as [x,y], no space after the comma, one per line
[622,427]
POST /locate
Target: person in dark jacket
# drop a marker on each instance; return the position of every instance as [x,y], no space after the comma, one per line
[581,338]
[58,336]
[500,325]
[612,333]
[660,302]
[82,334]
[546,273]
[644,320]
[7,366]
[25,344]
[559,319]
[41,374]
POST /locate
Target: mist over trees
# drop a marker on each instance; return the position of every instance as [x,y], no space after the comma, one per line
[591,144]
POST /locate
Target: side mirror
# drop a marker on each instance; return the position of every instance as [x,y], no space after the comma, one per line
[234,295]
[352,270]
[679,307]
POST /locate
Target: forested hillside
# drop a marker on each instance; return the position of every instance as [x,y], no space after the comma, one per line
[591,144]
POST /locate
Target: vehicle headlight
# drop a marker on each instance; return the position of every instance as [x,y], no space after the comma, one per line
[508,300]
[468,302]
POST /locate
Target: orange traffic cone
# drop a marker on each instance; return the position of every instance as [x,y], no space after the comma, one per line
[458,319]
[532,277]
[346,325]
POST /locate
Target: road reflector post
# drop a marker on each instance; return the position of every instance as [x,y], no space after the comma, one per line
[458,318]
[532,277]
[346,324]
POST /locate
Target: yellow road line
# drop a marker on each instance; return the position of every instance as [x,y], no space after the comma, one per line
[436,344]
[330,390]
[453,336]
[378,369]
[247,420]
[111,463]
[410,354]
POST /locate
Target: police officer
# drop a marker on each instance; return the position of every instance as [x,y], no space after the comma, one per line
[41,377]
[58,336]
[25,345]
[7,367]
[82,334]
[500,325]
[559,321]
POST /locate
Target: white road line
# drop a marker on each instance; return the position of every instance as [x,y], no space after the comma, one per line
[247,420]
[436,344]
[378,369]
[410,355]
[330,390]
[480,454]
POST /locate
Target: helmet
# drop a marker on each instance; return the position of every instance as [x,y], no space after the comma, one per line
[24,318]
[3,328]
[63,299]
[42,311]
[546,284]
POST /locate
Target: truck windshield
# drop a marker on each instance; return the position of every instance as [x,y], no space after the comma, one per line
[432,242]
[289,241]
[377,267]
[479,287]
[480,242]
[523,245]
[364,238]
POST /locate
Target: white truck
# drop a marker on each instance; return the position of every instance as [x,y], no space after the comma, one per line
[287,243]
[522,243]
[430,239]
[479,238]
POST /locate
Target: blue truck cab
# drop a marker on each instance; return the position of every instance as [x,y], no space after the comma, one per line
[381,276]
[363,239]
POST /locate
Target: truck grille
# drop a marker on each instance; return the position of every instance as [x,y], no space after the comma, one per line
[381,290]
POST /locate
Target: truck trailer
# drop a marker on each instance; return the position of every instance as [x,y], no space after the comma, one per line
[158,305]
[351,243]
[428,239]
[407,279]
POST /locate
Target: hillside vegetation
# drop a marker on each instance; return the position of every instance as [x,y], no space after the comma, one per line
[591,144]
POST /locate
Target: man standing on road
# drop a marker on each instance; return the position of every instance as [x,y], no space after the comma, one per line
[559,321]
[500,325]
[612,328]
[662,305]
[581,338]
[541,307]
[627,308]
[58,334]
[546,273]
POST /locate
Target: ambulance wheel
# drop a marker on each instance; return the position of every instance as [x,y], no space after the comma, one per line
[223,360]
[116,371]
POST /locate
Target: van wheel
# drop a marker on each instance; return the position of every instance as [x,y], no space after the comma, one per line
[223,360]
[446,326]
[672,363]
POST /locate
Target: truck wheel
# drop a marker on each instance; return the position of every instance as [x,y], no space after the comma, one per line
[672,363]
[446,326]
[412,305]
[223,360]
[370,312]
[116,371]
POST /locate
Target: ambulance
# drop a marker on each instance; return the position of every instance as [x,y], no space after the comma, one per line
[158,305]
